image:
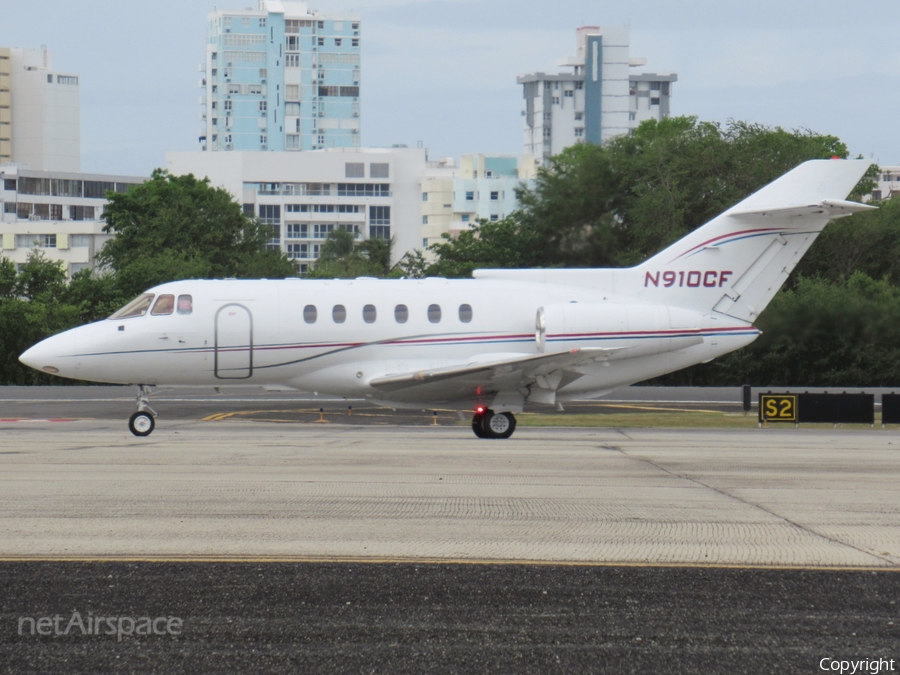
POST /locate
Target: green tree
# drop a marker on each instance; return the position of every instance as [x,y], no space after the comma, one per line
[93,296]
[178,227]
[31,308]
[39,276]
[378,252]
[820,333]
[616,204]
[570,212]
[867,242]
[502,243]
[413,265]
[340,258]
[7,278]
[343,257]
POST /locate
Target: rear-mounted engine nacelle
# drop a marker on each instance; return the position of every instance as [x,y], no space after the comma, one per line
[607,322]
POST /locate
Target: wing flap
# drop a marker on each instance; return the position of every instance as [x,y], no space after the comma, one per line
[499,371]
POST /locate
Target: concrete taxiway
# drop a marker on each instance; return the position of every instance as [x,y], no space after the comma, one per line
[243,490]
[305,547]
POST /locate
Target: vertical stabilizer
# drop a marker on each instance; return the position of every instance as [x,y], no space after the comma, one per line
[737,262]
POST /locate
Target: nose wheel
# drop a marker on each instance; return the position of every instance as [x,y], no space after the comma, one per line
[488,424]
[143,421]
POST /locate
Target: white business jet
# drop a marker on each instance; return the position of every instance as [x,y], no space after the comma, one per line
[492,344]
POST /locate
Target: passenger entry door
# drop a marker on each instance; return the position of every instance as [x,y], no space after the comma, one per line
[234,343]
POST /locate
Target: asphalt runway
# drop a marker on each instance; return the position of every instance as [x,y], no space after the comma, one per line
[415,618]
[300,547]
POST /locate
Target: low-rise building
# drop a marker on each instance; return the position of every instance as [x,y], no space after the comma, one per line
[888,181]
[304,196]
[59,212]
[481,187]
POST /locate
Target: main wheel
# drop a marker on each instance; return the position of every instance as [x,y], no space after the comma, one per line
[141,423]
[498,425]
[476,425]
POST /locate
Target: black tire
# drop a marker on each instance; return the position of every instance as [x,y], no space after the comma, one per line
[476,426]
[141,423]
[498,425]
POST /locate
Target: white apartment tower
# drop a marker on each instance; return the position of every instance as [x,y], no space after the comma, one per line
[280,77]
[40,112]
[5,107]
[599,99]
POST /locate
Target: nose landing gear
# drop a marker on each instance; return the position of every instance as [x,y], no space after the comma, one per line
[143,421]
[488,424]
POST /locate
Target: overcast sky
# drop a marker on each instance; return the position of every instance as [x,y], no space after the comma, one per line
[444,71]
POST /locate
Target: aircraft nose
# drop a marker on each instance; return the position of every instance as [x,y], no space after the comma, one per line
[47,355]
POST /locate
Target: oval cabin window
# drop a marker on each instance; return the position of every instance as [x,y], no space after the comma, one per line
[465,313]
[339,314]
[401,313]
[369,314]
[434,313]
[310,314]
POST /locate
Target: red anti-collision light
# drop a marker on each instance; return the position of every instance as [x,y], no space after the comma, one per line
[479,410]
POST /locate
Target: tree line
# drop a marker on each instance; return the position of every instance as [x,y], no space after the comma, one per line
[612,205]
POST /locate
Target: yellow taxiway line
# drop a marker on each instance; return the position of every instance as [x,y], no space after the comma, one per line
[388,560]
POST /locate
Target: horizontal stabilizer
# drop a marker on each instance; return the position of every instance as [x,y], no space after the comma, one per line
[833,208]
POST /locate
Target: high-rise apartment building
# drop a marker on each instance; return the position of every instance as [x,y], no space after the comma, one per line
[5,107]
[40,112]
[282,77]
[599,99]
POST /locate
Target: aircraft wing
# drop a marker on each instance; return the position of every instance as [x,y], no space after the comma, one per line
[490,375]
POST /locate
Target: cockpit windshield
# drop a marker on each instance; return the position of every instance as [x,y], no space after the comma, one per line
[137,307]
[165,304]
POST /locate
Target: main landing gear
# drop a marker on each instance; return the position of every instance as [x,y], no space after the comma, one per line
[143,421]
[488,424]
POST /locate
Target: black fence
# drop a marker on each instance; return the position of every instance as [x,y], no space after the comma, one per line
[823,408]
[890,408]
[837,408]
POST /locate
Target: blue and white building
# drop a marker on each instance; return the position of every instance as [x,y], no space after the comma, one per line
[281,77]
[482,187]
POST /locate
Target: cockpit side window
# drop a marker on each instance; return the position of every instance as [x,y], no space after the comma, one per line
[137,307]
[185,304]
[165,304]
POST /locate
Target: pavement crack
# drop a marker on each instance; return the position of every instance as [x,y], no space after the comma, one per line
[728,495]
